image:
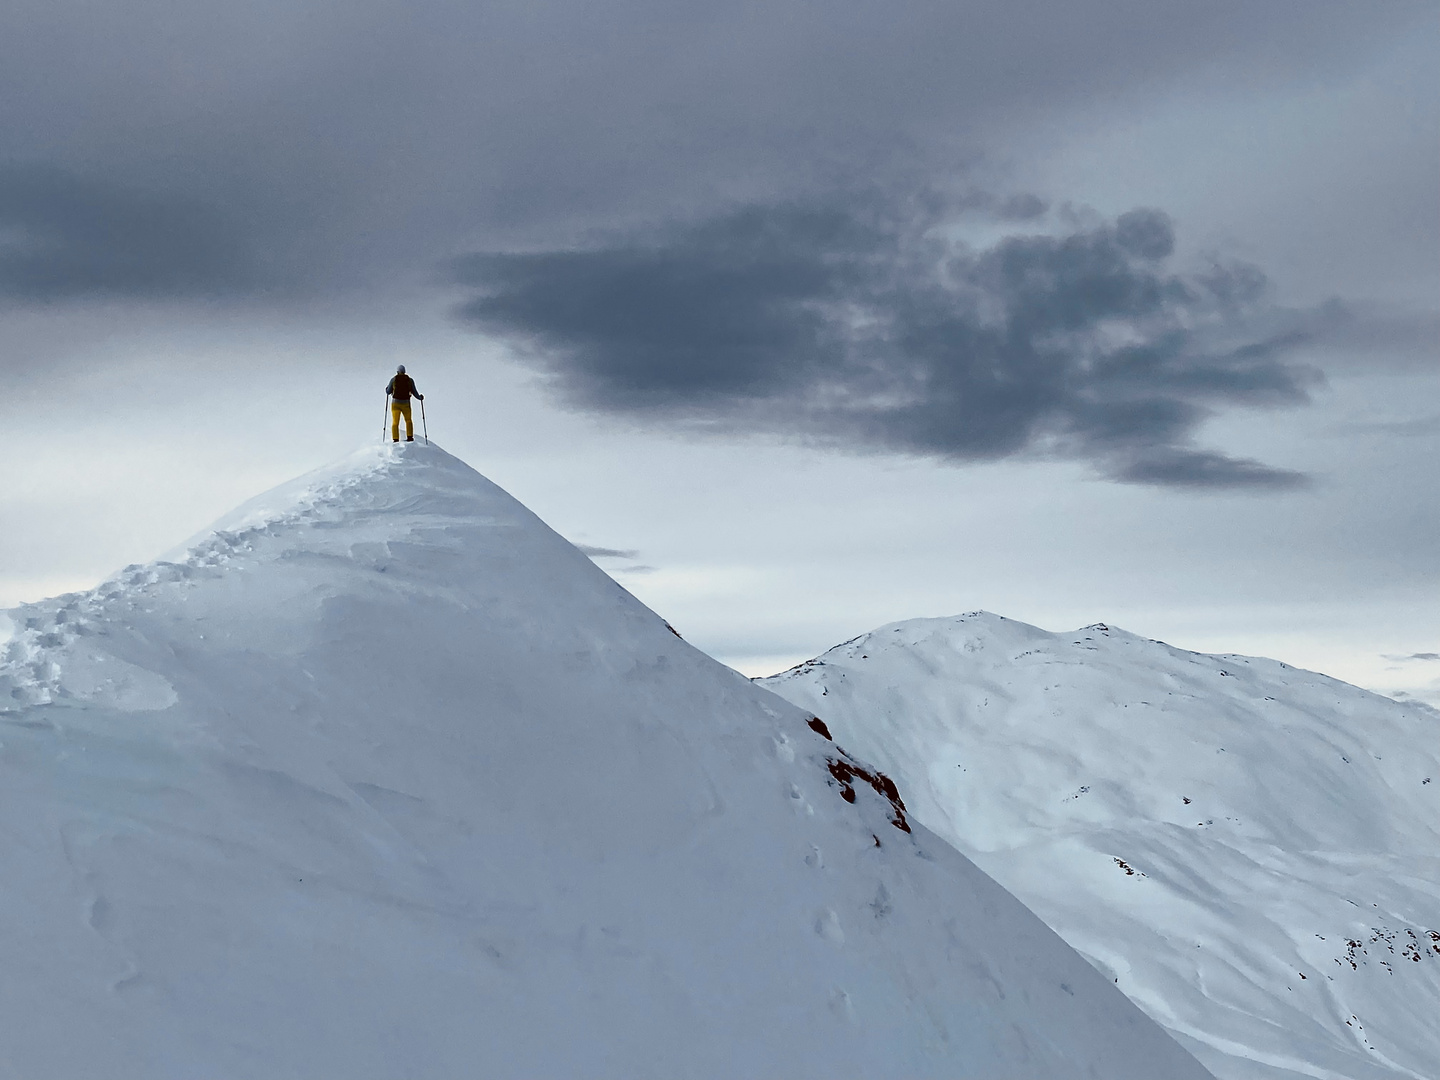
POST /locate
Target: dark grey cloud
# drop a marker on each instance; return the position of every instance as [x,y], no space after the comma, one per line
[62,237]
[867,325]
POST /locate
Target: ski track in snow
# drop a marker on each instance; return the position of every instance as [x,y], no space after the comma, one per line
[1251,851]
[381,777]
[44,632]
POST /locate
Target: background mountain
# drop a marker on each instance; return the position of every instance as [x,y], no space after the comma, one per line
[384,778]
[1251,851]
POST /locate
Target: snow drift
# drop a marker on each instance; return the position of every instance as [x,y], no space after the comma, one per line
[1252,851]
[383,778]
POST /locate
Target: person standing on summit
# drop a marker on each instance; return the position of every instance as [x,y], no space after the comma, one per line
[401,389]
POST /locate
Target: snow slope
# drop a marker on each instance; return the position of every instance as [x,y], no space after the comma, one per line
[383,778]
[1251,850]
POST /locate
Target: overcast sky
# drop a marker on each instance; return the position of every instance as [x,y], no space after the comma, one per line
[806,317]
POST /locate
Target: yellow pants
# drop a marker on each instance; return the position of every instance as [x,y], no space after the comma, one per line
[397,410]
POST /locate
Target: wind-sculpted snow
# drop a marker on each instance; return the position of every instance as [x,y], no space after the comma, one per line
[1251,851]
[383,778]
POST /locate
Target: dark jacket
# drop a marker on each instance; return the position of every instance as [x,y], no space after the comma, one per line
[402,388]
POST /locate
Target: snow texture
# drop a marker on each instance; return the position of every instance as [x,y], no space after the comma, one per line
[383,778]
[1252,851]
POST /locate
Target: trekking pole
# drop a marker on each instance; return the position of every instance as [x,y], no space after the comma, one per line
[423,425]
[385,417]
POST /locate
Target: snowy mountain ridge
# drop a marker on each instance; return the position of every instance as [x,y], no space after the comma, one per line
[1251,851]
[383,777]
[43,646]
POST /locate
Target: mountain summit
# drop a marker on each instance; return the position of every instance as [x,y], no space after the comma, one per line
[1248,849]
[382,777]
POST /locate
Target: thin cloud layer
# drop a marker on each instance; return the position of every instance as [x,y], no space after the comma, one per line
[862,326]
[606,553]
[350,144]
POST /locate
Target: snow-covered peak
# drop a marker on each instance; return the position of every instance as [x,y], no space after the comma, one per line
[1247,848]
[381,777]
[378,477]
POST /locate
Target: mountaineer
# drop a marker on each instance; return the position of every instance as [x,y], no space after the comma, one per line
[400,390]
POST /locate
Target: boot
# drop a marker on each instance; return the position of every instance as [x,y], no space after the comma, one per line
[409,438]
